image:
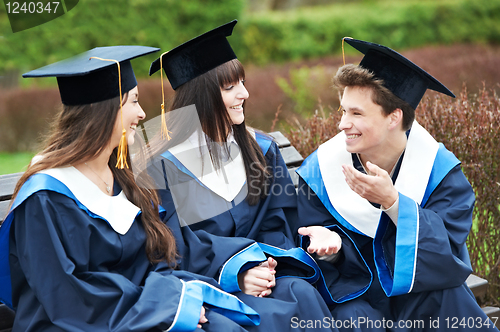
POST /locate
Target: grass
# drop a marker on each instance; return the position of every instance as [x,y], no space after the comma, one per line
[14,162]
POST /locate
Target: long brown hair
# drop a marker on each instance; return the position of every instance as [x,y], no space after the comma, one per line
[204,92]
[79,134]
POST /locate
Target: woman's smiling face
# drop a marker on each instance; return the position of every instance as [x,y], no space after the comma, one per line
[132,114]
[233,96]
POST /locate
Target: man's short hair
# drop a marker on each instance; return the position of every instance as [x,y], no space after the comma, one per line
[352,75]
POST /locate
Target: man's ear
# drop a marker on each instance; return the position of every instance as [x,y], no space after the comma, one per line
[395,118]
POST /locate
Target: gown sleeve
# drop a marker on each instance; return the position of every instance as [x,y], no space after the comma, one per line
[57,282]
[427,250]
[350,276]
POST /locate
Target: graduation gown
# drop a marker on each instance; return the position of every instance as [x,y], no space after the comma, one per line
[78,263]
[220,235]
[415,270]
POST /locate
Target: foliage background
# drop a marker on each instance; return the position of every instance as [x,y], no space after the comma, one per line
[93,23]
[262,36]
[290,49]
[290,54]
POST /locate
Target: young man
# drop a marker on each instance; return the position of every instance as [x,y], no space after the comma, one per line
[386,209]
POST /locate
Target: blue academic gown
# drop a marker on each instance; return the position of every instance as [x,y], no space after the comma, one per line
[75,267]
[225,238]
[413,272]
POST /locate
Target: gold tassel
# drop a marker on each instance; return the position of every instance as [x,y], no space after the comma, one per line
[163,130]
[121,159]
[343,58]
[343,55]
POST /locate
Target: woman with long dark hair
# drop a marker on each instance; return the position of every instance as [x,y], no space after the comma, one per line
[83,244]
[227,191]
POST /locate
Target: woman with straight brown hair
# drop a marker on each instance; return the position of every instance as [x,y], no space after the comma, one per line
[227,191]
[83,247]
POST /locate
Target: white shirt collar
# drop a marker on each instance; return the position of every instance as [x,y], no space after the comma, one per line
[195,139]
[117,210]
[227,182]
[421,150]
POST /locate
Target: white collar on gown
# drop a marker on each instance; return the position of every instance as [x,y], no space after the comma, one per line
[227,181]
[421,150]
[117,210]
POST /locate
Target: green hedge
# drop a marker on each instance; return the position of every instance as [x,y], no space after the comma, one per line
[92,23]
[318,31]
[259,38]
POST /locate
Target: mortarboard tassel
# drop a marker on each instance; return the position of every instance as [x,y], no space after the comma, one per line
[343,58]
[121,159]
[164,130]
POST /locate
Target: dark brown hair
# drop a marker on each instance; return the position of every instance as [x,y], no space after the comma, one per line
[351,75]
[204,92]
[79,134]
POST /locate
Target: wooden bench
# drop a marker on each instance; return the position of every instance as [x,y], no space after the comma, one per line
[292,158]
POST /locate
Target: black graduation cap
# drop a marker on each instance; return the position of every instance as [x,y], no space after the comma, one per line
[83,80]
[196,56]
[401,76]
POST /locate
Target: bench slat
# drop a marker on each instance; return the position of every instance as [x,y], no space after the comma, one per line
[494,314]
[280,139]
[478,285]
[4,207]
[8,183]
[291,156]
